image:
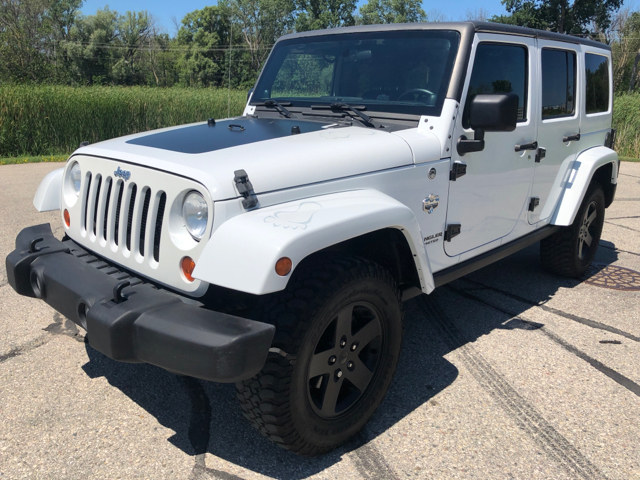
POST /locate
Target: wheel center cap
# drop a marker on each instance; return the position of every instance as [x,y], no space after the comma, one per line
[343,357]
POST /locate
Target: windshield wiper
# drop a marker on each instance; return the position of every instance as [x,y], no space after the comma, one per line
[366,119]
[278,105]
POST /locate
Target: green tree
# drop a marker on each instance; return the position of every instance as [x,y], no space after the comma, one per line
[563,16]
[319,14]
[392,11]
[205,35]
[261,22]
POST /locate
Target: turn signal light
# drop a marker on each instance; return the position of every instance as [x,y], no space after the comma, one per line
[67,218]
[187,265]
[283,266]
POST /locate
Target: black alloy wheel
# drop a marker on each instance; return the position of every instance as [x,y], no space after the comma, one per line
[345,360]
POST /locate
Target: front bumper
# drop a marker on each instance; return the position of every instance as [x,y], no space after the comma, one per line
[135,322]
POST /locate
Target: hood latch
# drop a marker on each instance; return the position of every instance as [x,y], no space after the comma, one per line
[245,188]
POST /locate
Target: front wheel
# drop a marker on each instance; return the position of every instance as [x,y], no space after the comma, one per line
[570,250]
[338,338]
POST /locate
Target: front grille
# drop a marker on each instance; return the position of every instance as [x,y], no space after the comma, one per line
[131,218]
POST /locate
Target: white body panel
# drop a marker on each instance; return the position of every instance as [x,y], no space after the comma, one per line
[244,250]
[47,196]
[489,199]
[577,181]
[548,173]
[271,164]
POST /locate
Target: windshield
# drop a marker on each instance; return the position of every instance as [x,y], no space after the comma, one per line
[404,72]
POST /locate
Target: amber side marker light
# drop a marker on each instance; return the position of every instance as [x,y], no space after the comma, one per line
[67,218]
[187,265]
[283,266]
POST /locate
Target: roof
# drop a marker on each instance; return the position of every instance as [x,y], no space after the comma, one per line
[462,27]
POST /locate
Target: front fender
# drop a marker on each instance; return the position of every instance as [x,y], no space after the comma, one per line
[243,251]
[48,194]
[578,180]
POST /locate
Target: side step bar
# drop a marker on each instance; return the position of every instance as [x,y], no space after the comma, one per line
[460,270]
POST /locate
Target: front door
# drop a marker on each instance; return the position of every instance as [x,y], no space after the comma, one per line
[559,124]
[488,201]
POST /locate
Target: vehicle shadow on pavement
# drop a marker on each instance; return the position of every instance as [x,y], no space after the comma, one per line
[207,418]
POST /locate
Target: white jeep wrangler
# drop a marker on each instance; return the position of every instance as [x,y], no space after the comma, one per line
[371,164]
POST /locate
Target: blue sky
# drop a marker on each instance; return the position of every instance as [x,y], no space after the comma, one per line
[163,10]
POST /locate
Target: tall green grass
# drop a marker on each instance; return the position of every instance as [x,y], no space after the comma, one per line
[45,120]
[626,120]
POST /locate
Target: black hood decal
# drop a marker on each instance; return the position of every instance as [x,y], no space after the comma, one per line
[225,134]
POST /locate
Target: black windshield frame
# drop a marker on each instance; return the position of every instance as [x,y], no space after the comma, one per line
[283,47]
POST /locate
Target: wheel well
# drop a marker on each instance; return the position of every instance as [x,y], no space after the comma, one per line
[388,248]
[603,177]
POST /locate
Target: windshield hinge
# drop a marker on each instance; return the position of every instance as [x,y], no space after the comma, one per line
[453,230]
[458,170]
[245,188]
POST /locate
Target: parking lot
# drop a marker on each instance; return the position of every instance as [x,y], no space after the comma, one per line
[507,373]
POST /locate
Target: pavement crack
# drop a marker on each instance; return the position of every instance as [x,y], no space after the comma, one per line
[626,382]
[616,249]
[25,348]
[627,175]
[546,308]
[627,199]
[622,226]
[623,218]
[525,415]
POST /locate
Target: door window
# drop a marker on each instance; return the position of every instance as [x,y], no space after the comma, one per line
[597,76]
[499,68]
[558,83]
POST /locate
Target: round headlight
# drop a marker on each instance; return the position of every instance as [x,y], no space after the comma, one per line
[75,175]
[195,213]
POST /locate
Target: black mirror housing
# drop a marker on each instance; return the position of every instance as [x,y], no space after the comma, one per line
[495,112]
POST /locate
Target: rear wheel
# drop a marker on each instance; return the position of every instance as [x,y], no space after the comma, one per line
[570,250]
[338,338]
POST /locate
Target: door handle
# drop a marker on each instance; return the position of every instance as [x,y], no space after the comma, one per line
[527,146]
[571,138]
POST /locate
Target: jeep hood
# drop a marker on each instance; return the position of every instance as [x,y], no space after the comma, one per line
[274,156]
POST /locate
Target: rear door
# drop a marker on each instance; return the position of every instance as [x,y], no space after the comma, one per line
[488,201]
[559,123]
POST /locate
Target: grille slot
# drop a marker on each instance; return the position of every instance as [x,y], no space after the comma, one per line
[132,203]
[108,183]
[96,202]
[117,226]
[158,230]
[86,201]
[143,223]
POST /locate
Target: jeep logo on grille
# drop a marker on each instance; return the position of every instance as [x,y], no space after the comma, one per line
[124,174]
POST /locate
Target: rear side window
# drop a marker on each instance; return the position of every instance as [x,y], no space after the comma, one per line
[499,68]
[558,83]
[597,79]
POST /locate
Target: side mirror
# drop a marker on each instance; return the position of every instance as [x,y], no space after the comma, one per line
[495,112]
[249,94]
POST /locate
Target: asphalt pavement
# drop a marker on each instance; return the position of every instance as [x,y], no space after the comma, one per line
[507,373]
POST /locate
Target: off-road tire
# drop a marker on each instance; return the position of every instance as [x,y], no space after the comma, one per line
[559,252]
[276,401]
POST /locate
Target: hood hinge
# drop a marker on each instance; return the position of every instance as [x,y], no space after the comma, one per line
[458,169]
[453,230]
